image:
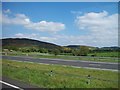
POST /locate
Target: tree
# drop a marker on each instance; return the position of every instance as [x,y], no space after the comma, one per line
[75,52]
[56,52]
[67,50]
[84,50]
[43,50]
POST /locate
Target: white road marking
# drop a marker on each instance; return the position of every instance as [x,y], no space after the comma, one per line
[11,85]
[94,64]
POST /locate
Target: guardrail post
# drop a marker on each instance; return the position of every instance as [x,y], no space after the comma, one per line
[89,79]
[51,73]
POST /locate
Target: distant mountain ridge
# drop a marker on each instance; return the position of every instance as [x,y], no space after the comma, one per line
[25,42]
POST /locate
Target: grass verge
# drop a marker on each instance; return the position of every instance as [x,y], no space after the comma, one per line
[85,58]
[60,77]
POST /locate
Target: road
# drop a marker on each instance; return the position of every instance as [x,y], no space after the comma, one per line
[74,63]
[11,84]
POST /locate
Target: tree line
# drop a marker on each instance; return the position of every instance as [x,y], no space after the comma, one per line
[81,51]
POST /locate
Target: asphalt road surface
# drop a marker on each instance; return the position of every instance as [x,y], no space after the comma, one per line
[11,84]
[75,63]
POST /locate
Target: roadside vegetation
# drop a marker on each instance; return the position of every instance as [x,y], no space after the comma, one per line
[56,76]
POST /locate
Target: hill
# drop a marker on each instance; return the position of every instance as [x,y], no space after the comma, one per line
[27,43]
[78,46]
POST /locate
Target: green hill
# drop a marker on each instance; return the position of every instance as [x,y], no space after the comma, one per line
[78,47]
[27,43]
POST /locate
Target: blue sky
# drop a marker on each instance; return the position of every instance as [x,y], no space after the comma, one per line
[62,23]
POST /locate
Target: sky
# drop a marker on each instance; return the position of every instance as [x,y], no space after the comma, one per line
[62,23]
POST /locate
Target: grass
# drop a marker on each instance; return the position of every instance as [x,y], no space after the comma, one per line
[106,54]
[61,76]
[85,58]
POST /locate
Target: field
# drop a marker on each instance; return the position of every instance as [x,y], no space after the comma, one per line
[56,76]
[106,54]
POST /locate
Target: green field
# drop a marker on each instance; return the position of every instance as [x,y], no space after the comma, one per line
[106,54]
[61,76]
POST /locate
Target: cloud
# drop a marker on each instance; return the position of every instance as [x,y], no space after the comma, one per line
[44,26]
[7,11]
[94,21]
[103,28]
[36,37]
[21,35]
[19,19]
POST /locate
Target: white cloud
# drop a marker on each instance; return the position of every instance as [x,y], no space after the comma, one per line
[103,28]
[7,11]
[21,35]
[97,21]
[20,19]
[45,26]
[36,37]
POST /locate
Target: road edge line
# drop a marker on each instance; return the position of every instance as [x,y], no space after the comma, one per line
[16,87]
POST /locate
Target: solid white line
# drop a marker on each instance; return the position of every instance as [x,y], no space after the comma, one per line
[10,85]
[94,65]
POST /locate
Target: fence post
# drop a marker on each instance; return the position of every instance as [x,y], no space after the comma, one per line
[89,79]
[51,73]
